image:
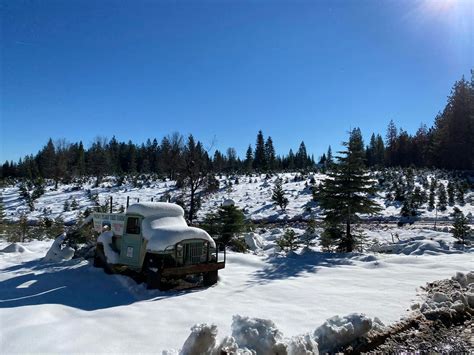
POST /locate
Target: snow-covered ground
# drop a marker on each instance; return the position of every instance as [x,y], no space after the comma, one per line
[70,306]
[252,194]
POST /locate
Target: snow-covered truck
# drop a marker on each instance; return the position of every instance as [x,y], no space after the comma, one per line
[154,240]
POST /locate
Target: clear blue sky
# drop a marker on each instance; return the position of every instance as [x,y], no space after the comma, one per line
[298,70]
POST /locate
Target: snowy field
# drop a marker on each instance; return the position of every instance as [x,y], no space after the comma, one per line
[252,194]
[71,306]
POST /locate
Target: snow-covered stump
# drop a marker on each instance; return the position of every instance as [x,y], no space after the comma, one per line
[58,253]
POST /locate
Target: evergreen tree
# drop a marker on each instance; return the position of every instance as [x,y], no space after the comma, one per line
[329,157]
[226,225]
[249,159]
[278,195]
[442,199]
[289,241]
[270,154]
[431,201]
[344,194]
[450,191]
[259,162]
[461,230]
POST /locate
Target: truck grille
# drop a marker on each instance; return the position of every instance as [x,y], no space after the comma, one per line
[193,253]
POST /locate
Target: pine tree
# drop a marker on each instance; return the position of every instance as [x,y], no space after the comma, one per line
[270,154]
[442,198]
[249,159]
[278,195]
[450,191]
[289,241]
[226,225]
[329,158]
[259,162]
[345,194]
[431,201]
[461,230]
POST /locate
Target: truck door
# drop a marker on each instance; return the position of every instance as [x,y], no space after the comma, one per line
[131,242]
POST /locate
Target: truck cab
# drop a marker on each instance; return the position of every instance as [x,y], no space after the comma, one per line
[153,239]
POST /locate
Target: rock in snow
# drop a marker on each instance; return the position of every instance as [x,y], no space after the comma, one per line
[253,241]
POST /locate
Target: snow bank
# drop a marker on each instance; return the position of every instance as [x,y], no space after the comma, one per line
[106,239]
[249,336]
[14,248]
[258,334]
[253,241]
[57,252]
[202,340]
[449,299]
[156,209]
[415,246]
[341,331]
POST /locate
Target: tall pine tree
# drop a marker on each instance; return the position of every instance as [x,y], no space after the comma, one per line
[344,194]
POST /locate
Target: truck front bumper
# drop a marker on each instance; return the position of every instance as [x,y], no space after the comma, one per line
[191,269]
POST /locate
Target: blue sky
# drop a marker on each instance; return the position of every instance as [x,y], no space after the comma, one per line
[298,70]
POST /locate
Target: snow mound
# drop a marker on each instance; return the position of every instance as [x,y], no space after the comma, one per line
[156,209]
[14,248]
[253,241]
[57,252]
[202,340]
[449,299]
[415,246]
[341,331]
[105,238]
[258,334]
[167,231]
[228,202]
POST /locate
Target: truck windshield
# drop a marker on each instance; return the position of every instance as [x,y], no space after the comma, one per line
[133,225]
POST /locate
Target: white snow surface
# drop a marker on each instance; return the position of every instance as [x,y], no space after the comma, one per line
[156,209]
[43,302]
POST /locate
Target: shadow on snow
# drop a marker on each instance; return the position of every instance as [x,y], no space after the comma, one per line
[74,284]
[293,265]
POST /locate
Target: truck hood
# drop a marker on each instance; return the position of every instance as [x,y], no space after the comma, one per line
[167,231]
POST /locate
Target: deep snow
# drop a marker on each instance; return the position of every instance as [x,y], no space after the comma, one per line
[70,306]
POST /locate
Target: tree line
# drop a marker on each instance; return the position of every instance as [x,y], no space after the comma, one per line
[448,144]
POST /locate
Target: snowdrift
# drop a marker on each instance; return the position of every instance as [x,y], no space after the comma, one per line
[261,336]
[58,252]
[14,248]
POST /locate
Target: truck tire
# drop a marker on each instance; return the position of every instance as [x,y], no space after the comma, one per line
[210,278]
[152,279]
[100,259]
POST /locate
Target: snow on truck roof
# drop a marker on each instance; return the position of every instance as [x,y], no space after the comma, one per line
[164,225]
[156,209]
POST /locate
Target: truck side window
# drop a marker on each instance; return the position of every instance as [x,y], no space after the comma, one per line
[133,225]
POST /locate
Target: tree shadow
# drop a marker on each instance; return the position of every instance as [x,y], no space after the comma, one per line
[293,265]
[74,284]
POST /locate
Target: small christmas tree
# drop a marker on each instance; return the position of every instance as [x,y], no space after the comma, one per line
[278,195]
[461,230]
[442,198]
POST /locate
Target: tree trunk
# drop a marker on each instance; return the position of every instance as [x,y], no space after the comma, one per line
[348,230]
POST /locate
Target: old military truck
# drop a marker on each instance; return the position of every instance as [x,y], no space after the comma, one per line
[153,240]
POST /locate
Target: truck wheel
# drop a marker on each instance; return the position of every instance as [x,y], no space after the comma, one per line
[100,260]
[210,278]
[153,279]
